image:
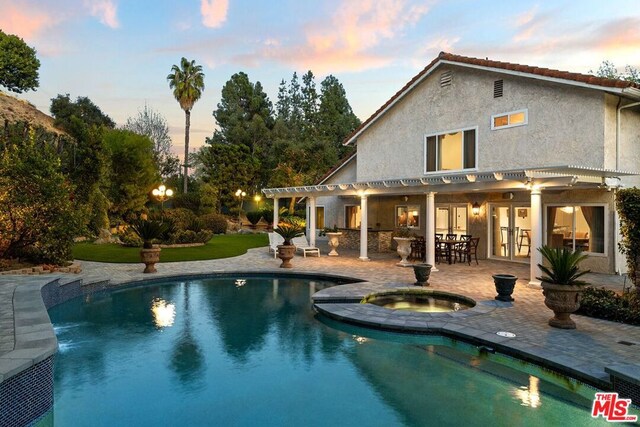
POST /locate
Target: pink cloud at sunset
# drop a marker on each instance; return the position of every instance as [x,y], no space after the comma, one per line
[347,40]
[23,21]
[214,12]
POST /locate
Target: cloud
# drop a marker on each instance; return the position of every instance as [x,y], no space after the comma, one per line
[214,12]
[347,40]
[531,23]
[105,11]
[24,21]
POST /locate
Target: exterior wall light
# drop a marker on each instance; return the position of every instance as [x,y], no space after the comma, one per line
[475,209]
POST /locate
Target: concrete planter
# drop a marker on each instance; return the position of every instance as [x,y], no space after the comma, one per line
[563,300]
[334,242]
[504,286]
[286,253]
[422,273]
[150,257]
[404,250]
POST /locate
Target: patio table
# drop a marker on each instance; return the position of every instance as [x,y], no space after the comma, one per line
[450,246]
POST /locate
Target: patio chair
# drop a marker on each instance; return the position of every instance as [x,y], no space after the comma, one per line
[467,249]
[452,236]
[441,249]
[274,240]
[302,244]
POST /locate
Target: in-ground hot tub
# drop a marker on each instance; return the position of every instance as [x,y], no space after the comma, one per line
[424,301]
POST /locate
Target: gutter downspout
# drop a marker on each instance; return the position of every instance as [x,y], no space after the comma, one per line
[617,259]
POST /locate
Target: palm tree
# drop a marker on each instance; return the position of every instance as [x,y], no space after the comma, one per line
[187,82]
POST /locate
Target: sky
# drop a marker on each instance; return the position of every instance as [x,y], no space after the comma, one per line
[119,52]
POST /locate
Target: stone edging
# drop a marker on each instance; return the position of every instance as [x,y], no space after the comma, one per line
[74,268]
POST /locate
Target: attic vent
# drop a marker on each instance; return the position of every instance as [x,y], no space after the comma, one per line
[445,79]
[497,88]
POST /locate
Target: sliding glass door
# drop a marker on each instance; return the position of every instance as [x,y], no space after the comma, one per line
[510,232]
[451,219]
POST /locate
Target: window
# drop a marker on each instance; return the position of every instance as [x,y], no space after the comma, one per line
[577,227]
[352,216]
[509,120]
[408,216]
[451,151]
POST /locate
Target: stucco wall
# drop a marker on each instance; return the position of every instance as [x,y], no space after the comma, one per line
[630,144]
[565,125]
[333,205]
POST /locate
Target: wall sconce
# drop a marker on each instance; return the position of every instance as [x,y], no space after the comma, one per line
[475,209]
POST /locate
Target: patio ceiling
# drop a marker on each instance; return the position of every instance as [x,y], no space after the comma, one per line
[456,182]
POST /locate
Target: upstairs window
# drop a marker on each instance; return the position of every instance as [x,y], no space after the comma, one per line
[451,151]
[509,120]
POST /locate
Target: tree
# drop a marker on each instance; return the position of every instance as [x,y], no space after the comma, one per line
[335,117]
[187,82]
[609,71]
[18,64]
[64,110]
[227,167]
[37,217]
[132,172]
[152,124]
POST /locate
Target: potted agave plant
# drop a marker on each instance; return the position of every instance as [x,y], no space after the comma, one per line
[148,230]
[560,285]
[289,230]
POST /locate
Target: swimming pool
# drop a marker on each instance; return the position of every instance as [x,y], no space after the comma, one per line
[250,351]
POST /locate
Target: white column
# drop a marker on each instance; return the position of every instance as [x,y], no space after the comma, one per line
[430,230]
[312,221]
[536,237]
[276,208]
[363,228]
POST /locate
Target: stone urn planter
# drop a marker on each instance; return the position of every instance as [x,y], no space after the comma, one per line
[334,242]
[504,286]
[286,253]
[560,285]
[422,273]
[563,300]
[404,250]
[150,257]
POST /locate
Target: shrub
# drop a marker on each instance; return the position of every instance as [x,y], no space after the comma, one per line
[267,215]
[215,222]
[606,304]
[628,205]
[180,217]
[130,239]
[254,217]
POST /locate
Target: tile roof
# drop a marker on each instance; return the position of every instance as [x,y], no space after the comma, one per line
[545,72]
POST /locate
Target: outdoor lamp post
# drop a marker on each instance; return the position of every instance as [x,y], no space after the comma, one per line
[162,193]
[240,194]
[257,198]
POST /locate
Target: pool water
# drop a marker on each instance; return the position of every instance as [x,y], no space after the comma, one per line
[250,351]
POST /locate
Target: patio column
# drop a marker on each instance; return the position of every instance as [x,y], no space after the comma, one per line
[536,237]
[276,208]
[363,228]
[430,230]
[312,221]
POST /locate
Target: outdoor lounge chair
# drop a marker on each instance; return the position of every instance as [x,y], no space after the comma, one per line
[274,240]
[302,244]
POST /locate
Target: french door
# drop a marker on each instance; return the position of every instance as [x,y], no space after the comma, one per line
[451,219]
[510,232]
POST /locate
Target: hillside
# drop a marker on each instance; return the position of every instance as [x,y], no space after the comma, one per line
[16,110]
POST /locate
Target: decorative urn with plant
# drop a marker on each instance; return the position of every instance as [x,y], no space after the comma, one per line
[333,234]
[560,284]
[288,230]
[149,230]
[403,237]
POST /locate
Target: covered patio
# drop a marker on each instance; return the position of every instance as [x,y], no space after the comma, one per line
[468,186]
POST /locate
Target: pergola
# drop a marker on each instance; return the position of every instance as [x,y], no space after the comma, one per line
[534,180]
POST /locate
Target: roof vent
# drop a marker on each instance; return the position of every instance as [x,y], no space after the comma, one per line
[498,86]
[445,79]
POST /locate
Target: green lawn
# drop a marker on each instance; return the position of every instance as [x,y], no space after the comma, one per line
[221,246]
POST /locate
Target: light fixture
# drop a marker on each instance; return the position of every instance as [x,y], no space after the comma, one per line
[475,208]
[162,194]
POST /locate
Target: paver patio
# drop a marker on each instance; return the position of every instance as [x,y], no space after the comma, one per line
[589,349]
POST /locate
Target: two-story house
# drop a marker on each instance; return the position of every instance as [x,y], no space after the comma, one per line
[518,156]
